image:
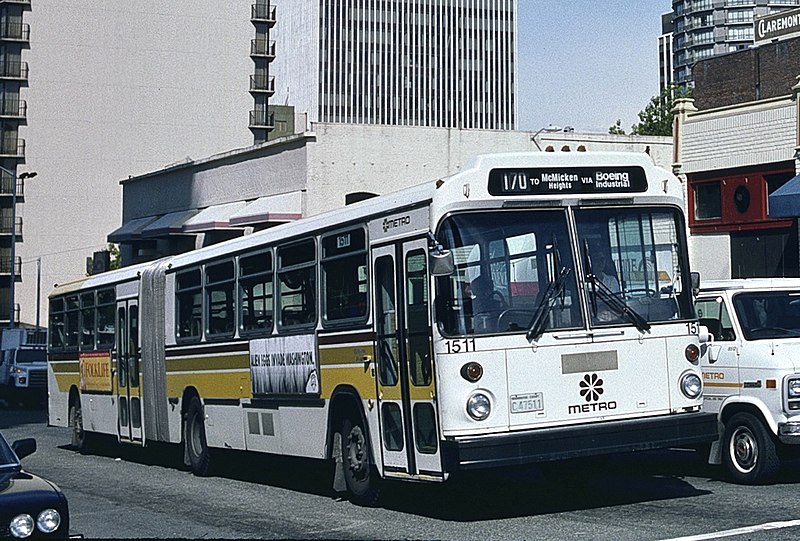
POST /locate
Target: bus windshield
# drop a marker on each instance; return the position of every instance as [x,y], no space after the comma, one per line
[516,271]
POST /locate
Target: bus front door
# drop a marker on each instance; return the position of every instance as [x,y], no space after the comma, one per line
[129,404]
[409,432]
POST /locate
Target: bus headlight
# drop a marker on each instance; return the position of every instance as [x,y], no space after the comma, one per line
[21,526]
[48,520]
[691,385]
[479,406]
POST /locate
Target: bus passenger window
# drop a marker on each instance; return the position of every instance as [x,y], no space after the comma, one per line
[219,299]
[57,335]
[255,293]
[72,328]
[189,303]
[105,318]
[344,270]
[87,321]
[297,286]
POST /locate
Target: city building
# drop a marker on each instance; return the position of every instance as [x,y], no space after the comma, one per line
[116,91]
[665,75]
[329,165]
[706,28]
[437,63]
[14,42]
[262,84]
[737,147]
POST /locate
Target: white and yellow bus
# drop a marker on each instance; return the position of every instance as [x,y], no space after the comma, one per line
[533,307]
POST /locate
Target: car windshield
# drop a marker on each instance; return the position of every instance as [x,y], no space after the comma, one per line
[8,460]
[768,314]
[516,272]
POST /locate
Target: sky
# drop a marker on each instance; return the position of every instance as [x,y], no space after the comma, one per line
[586,63]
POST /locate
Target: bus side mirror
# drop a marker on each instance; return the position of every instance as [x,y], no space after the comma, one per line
[695,276]
[441,262]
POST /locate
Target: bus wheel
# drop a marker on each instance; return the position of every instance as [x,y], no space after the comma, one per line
[749,451]
[195,439]
[360,474]
[80,438]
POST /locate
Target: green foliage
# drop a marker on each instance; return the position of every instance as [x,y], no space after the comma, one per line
[113,250]
[616,129]
[656,117]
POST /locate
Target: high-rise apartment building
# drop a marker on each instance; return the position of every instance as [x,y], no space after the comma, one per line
[665,76]
[14,39]
[262,85]
[438,63]
[705,28]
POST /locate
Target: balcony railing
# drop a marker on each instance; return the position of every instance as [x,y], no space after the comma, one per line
[263,13]
[7,182]
[5,264]
[262,119]
[13,69]
[262,47]
[15,32]
[262,83]
[12,148]
[5,225]
[13,108]
[5,299]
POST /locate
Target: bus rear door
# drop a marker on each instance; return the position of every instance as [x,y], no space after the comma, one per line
[406,389]
[129,404]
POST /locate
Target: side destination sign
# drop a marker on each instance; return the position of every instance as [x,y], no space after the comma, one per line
[572,180]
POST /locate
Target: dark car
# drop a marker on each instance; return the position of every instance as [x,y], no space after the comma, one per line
[30,507]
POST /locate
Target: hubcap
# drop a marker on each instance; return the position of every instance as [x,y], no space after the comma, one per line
[744,450]
[356,452]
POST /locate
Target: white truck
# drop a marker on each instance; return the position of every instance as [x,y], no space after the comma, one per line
[23,366]
[751,373]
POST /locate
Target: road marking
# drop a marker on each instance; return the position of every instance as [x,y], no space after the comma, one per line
[739,531]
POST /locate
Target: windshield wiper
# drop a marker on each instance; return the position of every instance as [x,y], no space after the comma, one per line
[617,305]
[554,289]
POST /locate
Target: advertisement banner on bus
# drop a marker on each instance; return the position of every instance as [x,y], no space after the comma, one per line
[95,368]
[284,364]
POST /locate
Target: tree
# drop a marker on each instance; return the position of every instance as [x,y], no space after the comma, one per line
[656,117]
[616,129]
[113,250]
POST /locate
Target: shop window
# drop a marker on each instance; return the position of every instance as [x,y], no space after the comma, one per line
[707,201]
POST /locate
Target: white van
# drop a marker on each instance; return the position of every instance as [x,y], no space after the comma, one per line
[751,372]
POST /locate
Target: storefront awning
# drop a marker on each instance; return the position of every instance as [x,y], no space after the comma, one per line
[785,201]
[168,224]
[211,218]
[130,230]
[270,209]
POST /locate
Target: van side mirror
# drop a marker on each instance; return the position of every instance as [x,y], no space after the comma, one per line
[24,447]
[695,277]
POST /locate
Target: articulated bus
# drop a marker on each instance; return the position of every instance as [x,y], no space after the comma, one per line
[533,307]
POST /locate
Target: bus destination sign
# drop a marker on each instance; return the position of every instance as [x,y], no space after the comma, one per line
[572,180]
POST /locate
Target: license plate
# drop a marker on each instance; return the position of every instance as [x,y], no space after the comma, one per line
[523,403]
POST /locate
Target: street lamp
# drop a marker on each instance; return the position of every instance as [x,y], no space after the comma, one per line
[549,129]
[14,178]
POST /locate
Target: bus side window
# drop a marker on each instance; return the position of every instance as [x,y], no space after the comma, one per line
[344,272]
[219,299]
[189,303]
[297,284]
[255,293]
[57,324]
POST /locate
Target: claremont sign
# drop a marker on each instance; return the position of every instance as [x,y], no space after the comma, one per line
[777,25]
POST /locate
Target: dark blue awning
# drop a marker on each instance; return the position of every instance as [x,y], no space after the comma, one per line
[785,201]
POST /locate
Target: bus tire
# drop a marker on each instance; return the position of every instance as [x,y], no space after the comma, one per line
[197,450]
[81,439]
[748,450]
[360,474]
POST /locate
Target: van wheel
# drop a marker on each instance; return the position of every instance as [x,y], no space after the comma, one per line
[197,450]
[360,474]
[749,451]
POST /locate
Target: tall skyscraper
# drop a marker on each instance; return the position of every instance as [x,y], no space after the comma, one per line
[665,76]
[705,28]
[440,63]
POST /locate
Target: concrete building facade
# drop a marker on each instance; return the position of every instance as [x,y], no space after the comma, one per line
[437,63]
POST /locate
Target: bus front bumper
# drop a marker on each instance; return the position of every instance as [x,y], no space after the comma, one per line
[547,444]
